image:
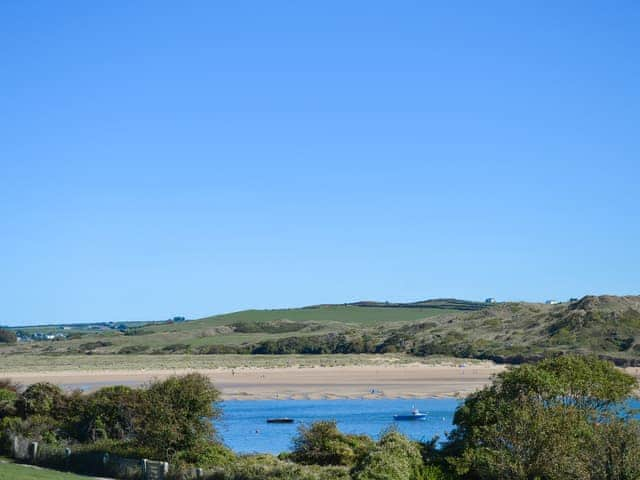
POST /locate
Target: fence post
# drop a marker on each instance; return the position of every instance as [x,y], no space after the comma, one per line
[33,451]
[144,468]
[67,457]
[199,473]
[15,446]
[165,469]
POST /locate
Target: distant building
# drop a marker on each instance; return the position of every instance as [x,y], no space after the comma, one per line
[552,302]
[490,300]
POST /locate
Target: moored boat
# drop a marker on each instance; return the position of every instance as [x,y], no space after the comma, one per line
[415,415]
[280,420]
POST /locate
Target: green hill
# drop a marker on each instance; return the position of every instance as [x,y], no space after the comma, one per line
[506,332]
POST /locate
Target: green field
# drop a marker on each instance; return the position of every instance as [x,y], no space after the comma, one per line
[227,329]
[12,471]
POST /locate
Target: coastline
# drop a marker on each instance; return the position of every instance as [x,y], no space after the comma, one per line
[269,377]
[413,380]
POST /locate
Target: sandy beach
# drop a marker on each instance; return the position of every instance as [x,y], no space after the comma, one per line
[384,381]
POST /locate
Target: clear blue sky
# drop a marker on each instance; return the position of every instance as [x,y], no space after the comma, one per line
[165,158]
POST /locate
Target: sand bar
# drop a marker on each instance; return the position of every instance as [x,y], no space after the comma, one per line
[384,381]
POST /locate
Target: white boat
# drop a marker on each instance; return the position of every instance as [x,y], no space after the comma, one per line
[415,415]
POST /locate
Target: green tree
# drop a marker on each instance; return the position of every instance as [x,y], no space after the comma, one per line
[616,450]
[538,421]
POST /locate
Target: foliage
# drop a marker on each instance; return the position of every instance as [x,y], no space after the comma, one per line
[44,399]
[133,349]
[317,345]
[7,336]
[108,413]
[395,457]
[176,414]
[615,452]
[539,421]
[206,454]
[8,398]
[323,444]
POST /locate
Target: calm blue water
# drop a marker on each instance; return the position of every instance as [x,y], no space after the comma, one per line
[244,429]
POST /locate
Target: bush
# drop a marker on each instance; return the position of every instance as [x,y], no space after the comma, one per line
[206,455]
[108,413]
[132,349]
[44,399]
[7,336]
[323,444]
[395,457]
[542,421]
[36,427]
[8,398]
[176,414]
[434,472]
[8,426]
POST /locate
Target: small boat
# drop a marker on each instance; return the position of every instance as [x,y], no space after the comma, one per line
[415,415]
[280,420]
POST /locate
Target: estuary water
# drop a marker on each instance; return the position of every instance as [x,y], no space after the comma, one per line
[243,426]
[244,429]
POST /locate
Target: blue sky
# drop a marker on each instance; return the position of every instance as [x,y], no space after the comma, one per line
[188,158]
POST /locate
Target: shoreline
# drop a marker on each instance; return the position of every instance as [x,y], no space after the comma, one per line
[295,382]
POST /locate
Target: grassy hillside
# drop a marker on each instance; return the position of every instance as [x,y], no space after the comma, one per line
[512,332]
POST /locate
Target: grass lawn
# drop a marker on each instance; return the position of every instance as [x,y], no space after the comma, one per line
[12,471]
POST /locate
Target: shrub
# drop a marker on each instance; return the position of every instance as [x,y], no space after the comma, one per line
[206,455]
[131,349]
[107,413]
[7,402]
[44,399]
[323,444]
[8,426]
[36,427]
[7,336]
[93,345]
[176,414]
[538,421]
[395,457]
[434,472]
